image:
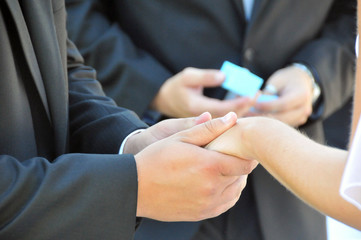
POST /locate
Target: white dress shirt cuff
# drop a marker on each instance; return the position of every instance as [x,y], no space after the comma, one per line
[125,140]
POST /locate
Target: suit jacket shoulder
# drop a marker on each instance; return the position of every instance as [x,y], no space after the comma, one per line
[76,195]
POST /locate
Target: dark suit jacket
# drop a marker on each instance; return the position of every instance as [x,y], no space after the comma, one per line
[55,121]
[136,45]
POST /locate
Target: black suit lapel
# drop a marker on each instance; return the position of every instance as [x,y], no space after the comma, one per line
[52,66]
[26,43]
[240,8]
[258,6]
[43,56]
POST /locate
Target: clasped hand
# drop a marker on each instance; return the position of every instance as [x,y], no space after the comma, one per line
[294,104]
[180,180]
[182,95]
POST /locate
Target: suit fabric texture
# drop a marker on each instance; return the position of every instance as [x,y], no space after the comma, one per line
[137,45]
[61,176]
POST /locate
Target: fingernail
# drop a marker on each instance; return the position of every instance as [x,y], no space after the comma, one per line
[203,116]
[227,118]
[219,76]
[270,89]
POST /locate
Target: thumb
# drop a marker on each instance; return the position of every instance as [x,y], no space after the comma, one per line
[171,126]
[204,78]
[206,132]
[204,117]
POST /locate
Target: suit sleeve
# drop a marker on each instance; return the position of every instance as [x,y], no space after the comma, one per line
[103,126]
[130,75]
[78,195]
[331,58]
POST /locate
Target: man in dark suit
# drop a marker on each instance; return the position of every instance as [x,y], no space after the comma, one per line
[299,47]
[61,176]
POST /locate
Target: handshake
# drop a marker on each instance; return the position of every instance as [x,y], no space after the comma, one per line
[184,170]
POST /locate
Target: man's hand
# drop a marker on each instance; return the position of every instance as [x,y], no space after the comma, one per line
[182,95]
[252,138]
[294,104]
[179,180]
[161,130]
[238,141]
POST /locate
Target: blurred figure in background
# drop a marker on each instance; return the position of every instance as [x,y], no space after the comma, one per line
[141,48]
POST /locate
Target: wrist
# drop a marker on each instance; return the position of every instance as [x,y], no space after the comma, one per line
[259,137]
[132,144]
[315,88]
[249,135]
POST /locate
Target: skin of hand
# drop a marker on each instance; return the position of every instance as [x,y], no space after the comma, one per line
[179,180]
[161,130]
[182,95]
[233,142]
[294,104]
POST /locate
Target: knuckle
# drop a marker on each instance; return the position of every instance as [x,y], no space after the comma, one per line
[208,191]
[224,168]
[254,164]
[302,121]
[232,203]
[304,96]
[210,126]
[185,137]
[243,183]
[233,194]
[308,111]
[221,209]
[204,214]
[204,211]
[188,71]
[248,167]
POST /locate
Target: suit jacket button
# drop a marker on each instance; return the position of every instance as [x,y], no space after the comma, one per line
[249,55]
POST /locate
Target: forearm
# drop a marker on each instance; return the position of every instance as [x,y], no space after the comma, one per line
[311,171]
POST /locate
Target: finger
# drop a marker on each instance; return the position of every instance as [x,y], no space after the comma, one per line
[294,117]
[242,110]
[204,133]
[222,208]
[231,195]
[282,104]
[220,107]
[235,166]
[169,127]
[270,89]
[194,77]
[204,117]
[234,189]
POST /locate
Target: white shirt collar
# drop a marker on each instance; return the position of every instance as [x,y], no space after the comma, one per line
[248,6]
